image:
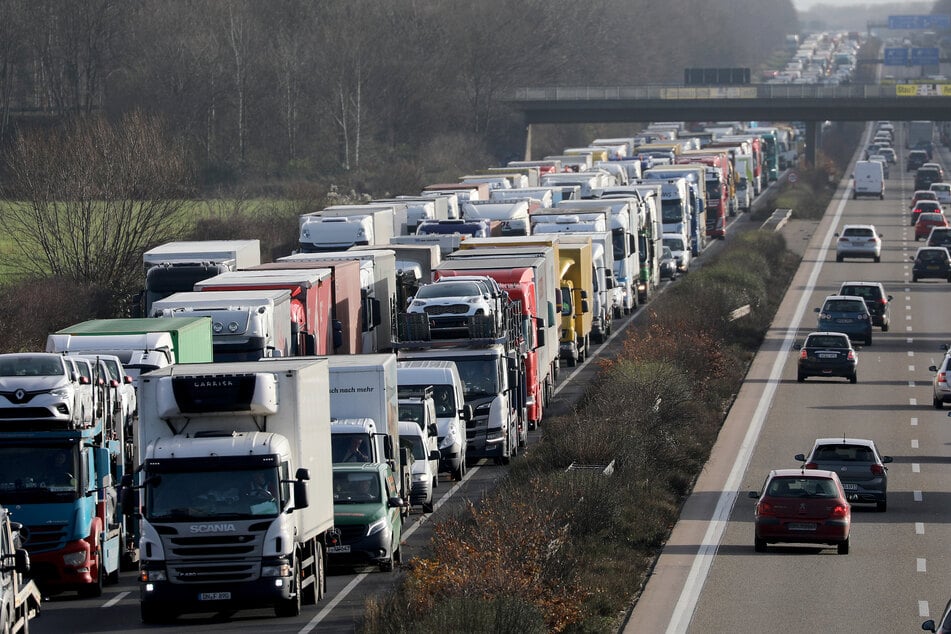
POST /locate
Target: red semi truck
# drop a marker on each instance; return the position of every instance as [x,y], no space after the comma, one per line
[346,296]
[518,280]
[313,328]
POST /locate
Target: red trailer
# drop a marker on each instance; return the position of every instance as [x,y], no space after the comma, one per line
[313,329]
[346,296]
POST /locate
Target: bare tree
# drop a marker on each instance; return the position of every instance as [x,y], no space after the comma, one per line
[94,197]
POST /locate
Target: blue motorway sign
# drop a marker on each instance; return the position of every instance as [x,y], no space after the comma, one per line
[896,56]
[907,22]
[924,57]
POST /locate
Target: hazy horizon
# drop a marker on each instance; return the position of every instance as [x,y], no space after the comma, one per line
[805,5]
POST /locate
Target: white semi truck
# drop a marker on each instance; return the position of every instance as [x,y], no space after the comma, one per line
[234,487]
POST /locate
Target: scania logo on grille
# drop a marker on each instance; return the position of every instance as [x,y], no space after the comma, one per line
[213,528]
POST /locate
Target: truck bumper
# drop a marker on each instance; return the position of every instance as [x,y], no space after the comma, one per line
[52,575]
[478,445]
[177,598]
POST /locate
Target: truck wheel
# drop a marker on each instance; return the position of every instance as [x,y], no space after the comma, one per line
[457,474]
[428,507]
[94,589]
[289,608]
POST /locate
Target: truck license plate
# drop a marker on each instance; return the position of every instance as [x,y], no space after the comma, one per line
[214,596]
[338,549]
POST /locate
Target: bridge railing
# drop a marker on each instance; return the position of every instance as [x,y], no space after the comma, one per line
[749,91]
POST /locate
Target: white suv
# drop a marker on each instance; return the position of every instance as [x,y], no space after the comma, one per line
[450,303]
[858,241]
[42,386]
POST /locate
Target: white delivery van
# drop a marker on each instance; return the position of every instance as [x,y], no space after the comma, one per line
[868,179]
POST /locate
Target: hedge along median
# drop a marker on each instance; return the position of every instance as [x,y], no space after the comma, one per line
[568,551]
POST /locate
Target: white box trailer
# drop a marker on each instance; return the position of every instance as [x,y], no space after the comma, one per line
[234,453]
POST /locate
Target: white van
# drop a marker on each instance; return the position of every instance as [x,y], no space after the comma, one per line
[679,248]
[868,179]
[452,413]
[425,464]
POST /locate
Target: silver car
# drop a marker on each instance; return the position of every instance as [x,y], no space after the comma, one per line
[42,386]
[858,241]
[941,383]
[859,465]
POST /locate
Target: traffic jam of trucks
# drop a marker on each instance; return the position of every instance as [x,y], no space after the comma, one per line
[264,422]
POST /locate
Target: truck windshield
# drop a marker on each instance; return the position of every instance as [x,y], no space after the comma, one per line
[350,447]
[480,376]
[206,495]
[619,241]
[672,211]
[39,474]
[566,308]
[413,412]
[713,190]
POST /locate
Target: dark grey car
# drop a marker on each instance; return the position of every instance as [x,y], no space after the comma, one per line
[859,465]
[876,300]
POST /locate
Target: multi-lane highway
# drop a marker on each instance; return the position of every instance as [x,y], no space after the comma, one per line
[709,578]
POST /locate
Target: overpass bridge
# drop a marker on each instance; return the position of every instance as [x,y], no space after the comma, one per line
[810,103]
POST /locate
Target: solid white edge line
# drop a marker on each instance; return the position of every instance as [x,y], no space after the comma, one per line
[690,595]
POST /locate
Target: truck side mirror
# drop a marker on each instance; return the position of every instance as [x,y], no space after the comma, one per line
[302,474]
[388,448]
[466,412]
[377,316]
[539,332]
[300,495]
[129,500]
[433,430]
[584,306]
[435,455]
[21,561]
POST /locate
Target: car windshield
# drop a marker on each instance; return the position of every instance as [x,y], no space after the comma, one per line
[927,205]
[449,289]
[415,445]
[801,487]
[31,366]
[412,413]
[865,292]
[827,341]
[356,488]
[674,244]
[843,453]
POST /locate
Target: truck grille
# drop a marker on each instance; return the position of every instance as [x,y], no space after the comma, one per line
[225,546]
[45,537]
[212,572]
[453,309]
[214,558]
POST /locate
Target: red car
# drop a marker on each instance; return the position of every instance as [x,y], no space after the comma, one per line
[926,221]
[924,206]
[802,506]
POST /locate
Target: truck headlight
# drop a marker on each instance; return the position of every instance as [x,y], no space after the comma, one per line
[153,575]
[376,526]
[483,409]
[495,435]
[419,477]
[74,560]
[276,569]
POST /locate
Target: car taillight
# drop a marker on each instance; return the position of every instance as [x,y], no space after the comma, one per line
[883,301]
[811,465]
[803,354]
[942,377]
[764,508]
[840,510]
[843,239]
[851,356]
[825,316]
[878,469]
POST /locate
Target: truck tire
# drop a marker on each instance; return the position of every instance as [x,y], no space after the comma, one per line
[460,472]
[289,608]
[94,589]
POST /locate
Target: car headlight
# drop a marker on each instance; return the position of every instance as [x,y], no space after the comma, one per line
[74,560]
[62,392]
[419,477]
[376,526]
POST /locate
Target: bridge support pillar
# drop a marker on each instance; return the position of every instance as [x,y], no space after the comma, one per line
[813,131]
[528,142]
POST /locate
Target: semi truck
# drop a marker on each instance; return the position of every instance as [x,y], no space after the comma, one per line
[174,267]
[60,475]
[378,291]
[234,489]
[490,362]
[414,267]
[247,325]
[313,329]
[19,596]
[345,295]
[141,344]
[648,232]
[512,215]
[677,215]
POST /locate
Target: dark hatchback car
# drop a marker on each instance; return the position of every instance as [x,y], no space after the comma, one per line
[859,465]
[848,315]
[939,237]
[876,300]
[924,176]
[916,158]
[827,354]
[931,263]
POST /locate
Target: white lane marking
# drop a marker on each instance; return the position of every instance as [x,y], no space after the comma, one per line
[908,328]
[911,368]
[907,307]
[923,611]
[687,602]
[907,317]
[912,401]
[914,443]
[919,528]
[907,290]
[914,421]
[916,496]
[119,597]
[921,565]
[908,299]
[910,353]
[915,467]
[911,384]
[909,340]
[320,616]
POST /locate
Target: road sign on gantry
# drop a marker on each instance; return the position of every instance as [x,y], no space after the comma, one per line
[909,22]
[896,57]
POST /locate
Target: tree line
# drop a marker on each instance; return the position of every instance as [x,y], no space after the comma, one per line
[380,93]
